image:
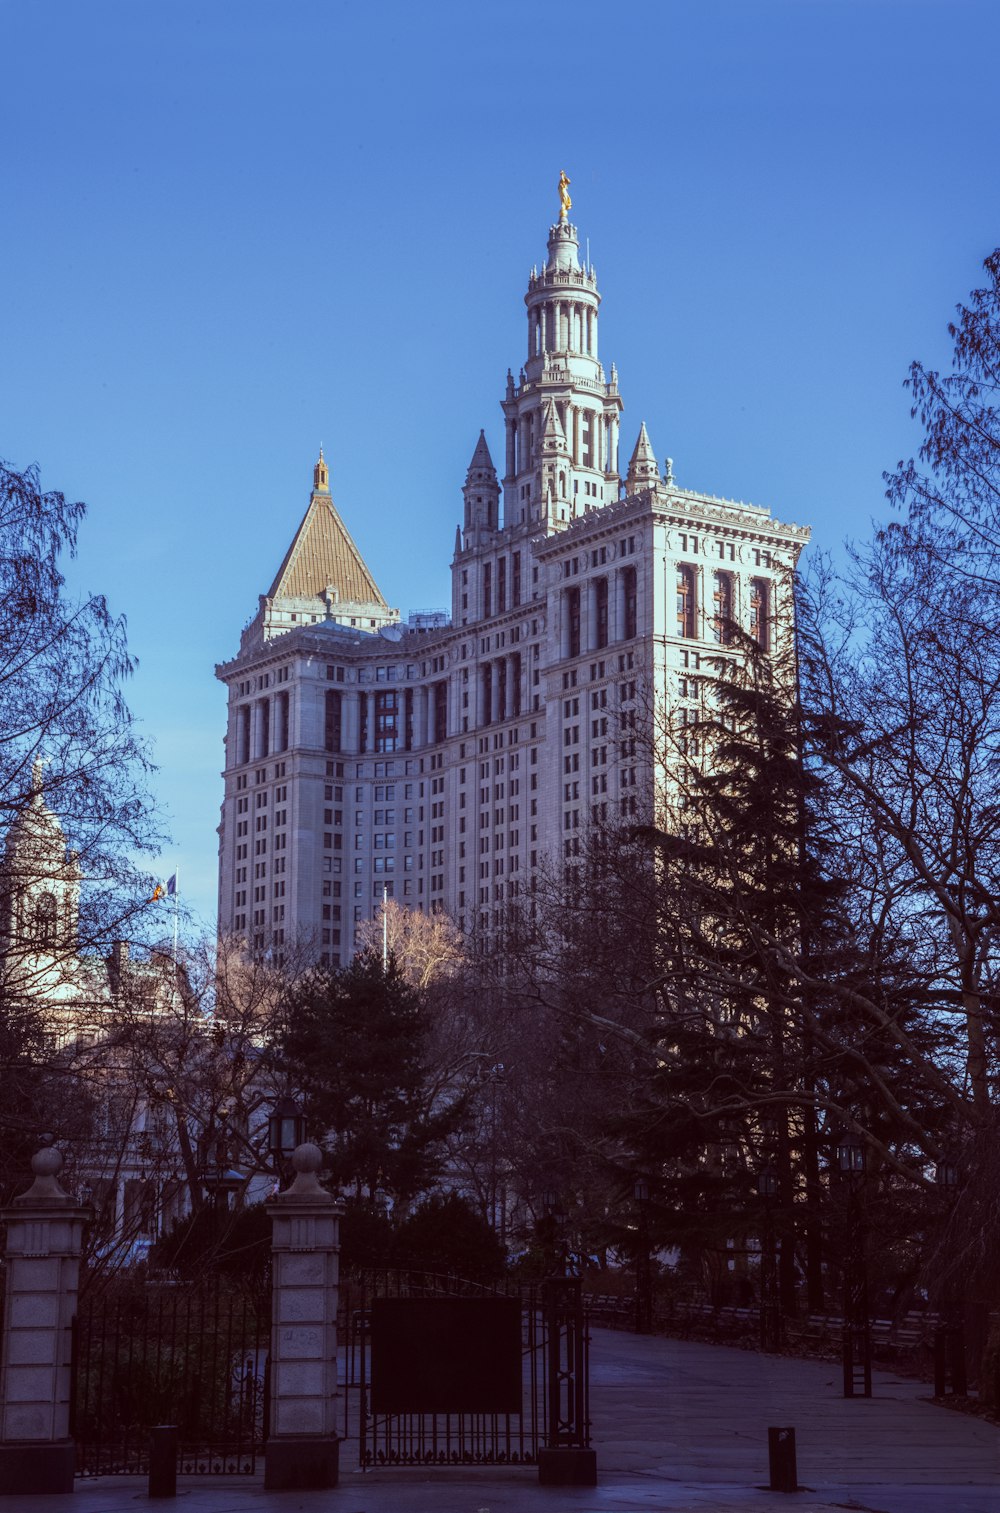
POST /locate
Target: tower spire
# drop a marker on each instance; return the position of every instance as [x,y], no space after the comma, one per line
[642,469]
[321,475]
[562,370]
[481,492]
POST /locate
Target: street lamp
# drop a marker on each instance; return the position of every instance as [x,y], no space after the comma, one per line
[555,1213]
[852,1165]
[770,1311]
[219,1179]
[946,1174]
[644,1266]
[286,1130]
[949,1333]
[852,1155]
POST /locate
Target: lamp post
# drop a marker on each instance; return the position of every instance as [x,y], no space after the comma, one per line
[555,1214]
[643,1261]
[949,1334]
[770,1310]
[852,1165]
[286,1130]
[218,1178]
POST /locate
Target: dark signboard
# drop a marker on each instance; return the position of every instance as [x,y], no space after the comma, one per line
[446,1355]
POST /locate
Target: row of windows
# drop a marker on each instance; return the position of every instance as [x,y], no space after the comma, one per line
[495,588]
[722,607]
[599,627]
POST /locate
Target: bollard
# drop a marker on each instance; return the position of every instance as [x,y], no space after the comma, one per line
[959,1381]
[940,1361]
[163,1460]
[781,1458]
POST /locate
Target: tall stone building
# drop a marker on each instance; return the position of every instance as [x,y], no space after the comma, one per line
[443,762]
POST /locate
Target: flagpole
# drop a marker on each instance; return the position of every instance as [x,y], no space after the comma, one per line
[385,932]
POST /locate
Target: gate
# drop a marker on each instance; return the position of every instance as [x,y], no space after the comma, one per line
[440,1372]
[163,1353]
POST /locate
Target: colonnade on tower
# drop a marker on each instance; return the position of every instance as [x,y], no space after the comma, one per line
[561,415]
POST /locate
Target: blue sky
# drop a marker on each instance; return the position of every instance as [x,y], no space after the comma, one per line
[237,230]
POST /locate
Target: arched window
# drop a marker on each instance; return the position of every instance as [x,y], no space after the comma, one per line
[45,919]
[760,612]
[722,603]
[685,601]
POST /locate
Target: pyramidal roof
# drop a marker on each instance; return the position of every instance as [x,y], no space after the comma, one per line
[643,449]
[481,459]
[552,426]
[322,556]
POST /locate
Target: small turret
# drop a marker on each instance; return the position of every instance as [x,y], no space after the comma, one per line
[554,453]
[643,472]
[481,491]
[39,885]
[553,435]
[321,475]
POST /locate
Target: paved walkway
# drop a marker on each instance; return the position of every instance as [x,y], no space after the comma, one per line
[677,1426]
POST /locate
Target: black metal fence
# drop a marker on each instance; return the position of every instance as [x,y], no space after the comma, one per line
[148,1354]
[545,1385]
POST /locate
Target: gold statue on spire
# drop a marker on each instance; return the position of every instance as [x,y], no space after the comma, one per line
[566,203]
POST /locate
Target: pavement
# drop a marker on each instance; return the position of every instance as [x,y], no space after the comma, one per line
[677,1426]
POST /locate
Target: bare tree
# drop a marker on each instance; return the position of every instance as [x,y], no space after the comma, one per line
[75,816]
[426,947]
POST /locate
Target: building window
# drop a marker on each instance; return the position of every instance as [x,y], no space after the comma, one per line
[440,712]
[331,721]
[722,601]
[487,590]
[630,628]
[601,606]
[573,621]
[760,612]
[386,721]
[685,601]
[45,919]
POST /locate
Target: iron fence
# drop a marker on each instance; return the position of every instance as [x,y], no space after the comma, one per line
[549,1395]
[146,1354]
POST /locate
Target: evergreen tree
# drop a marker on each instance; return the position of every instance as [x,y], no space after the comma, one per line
[785,1019]
[354,1042]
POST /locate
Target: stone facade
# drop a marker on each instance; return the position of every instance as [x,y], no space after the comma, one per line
[302,1446]
[445,764]
[44,1241]
[127,1161]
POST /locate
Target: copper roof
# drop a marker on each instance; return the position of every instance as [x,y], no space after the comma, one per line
[321,556]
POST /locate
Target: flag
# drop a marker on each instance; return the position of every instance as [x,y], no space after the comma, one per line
[158,892]
[172,886]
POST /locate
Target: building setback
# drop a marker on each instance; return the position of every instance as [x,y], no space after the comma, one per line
[443,763]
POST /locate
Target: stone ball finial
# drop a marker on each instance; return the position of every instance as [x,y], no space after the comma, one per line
[307,1161]
[44,1191]
[307,1157]
[48,1162]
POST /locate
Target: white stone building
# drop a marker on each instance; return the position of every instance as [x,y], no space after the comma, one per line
[445,763]
[123,1153]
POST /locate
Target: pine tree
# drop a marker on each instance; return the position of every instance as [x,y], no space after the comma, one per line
[354,1044]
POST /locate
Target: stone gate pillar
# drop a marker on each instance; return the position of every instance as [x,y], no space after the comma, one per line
[303,1445]
[44,1240]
